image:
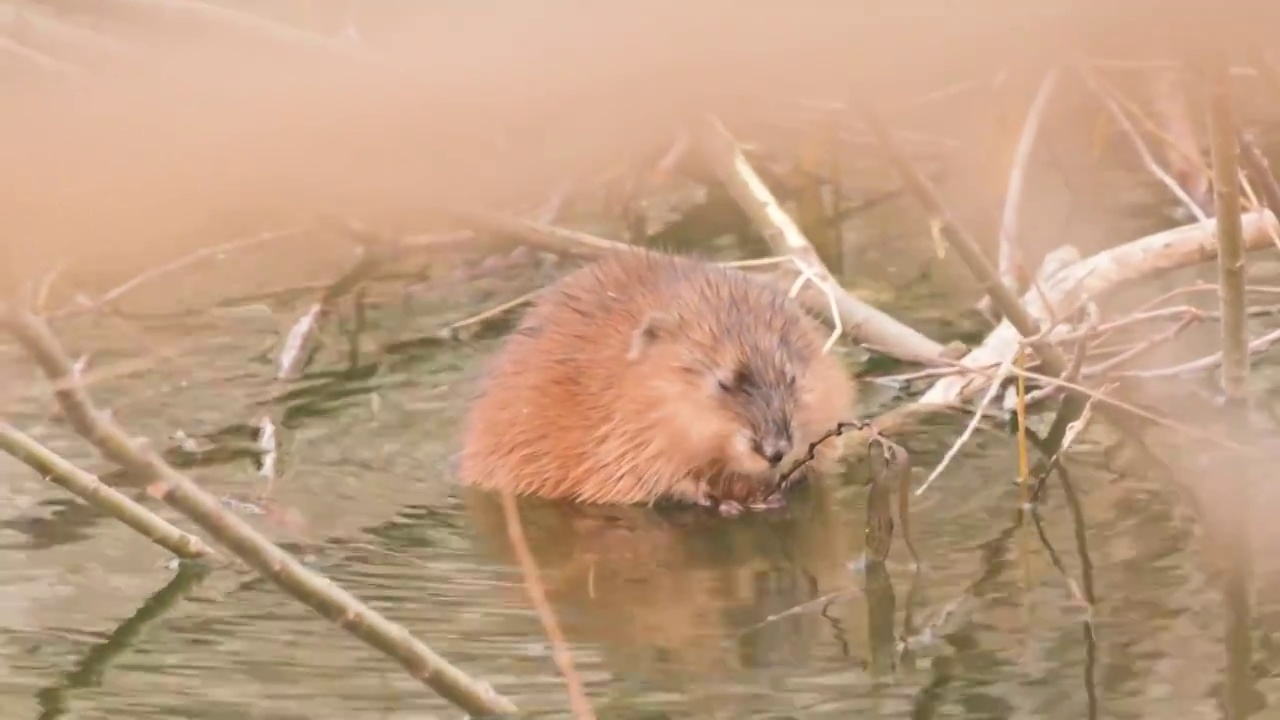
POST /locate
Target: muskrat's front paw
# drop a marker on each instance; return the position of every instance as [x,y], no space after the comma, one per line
[706,501]
[730,508]
[770,502]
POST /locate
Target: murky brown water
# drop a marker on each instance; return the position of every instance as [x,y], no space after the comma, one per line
[670,615]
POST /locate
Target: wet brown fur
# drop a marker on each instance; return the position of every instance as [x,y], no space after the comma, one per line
[609,391]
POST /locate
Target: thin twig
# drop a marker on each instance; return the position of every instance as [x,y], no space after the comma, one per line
[1072,416]
[215,251]
[1001,373]
[1142,347]
[1060,440]
[1100,274]
[89,488]
[1143,151]
[1257,167]
[902,415]
[1261,344]
[1190,431]
[454,329]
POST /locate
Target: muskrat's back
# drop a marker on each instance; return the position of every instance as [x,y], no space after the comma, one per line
[645,377]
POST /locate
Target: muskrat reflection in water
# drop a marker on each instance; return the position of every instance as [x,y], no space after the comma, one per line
[670,591]
[647,377]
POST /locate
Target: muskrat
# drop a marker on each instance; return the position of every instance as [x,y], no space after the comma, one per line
[648,377]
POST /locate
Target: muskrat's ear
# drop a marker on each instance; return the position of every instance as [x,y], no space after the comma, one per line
[654,326]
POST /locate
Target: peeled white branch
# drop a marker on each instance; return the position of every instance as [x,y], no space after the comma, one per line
[1069,289]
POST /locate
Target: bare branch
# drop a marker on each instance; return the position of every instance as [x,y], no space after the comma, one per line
[1010,261]
[1095,276]
[862,321]
[89,488]
[184,495]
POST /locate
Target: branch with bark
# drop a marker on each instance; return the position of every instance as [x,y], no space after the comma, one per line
[185,496]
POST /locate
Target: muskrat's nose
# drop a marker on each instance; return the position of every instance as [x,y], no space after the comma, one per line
[775,449]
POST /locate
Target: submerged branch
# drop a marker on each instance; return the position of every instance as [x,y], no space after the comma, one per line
[546,614]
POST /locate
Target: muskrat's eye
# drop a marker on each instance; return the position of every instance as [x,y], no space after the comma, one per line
[730,380]
[734,380]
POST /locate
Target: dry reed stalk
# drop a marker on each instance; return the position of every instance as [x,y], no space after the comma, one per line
[1009,260]
[1260,170]
[1224,149]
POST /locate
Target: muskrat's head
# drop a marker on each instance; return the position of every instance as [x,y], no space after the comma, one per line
[726,394]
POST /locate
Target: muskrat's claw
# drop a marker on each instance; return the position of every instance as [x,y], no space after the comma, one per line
[730,508]
[770,502]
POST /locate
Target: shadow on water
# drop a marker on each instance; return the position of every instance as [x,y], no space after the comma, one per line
[90,670]
[667,590]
